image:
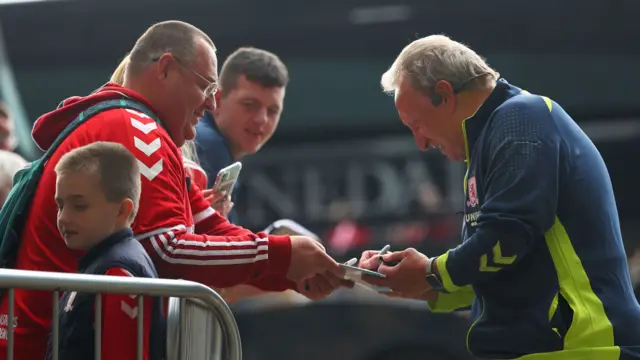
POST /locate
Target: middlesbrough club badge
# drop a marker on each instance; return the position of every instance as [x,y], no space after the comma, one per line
[472,194]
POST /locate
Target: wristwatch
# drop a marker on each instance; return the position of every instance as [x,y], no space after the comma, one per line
[432,278]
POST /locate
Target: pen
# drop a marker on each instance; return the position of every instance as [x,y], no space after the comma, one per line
[385,250]
[352,262]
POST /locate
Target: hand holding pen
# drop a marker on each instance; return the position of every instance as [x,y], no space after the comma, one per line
[371,259]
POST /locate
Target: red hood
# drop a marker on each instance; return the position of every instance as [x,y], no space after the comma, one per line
[50,125]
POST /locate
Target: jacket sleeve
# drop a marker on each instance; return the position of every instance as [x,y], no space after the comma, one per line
[119,323]
[222,255]
[448,302]
[207,220]
[521,150]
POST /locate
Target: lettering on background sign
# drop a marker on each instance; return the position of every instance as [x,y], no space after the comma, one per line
[385,187]
[4,324]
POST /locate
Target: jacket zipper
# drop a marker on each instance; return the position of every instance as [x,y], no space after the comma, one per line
[474,324]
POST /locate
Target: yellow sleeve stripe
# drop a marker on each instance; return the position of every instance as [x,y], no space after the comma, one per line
[441,263]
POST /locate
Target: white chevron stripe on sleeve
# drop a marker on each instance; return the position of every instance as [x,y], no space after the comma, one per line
[150,172]
[145,128]
[149,148]
[131,312]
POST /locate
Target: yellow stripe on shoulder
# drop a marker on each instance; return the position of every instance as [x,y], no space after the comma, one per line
[546,99]
[548,102]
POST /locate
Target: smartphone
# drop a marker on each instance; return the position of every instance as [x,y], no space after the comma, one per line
[227,178]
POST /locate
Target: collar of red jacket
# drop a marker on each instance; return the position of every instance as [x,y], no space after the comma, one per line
[50,125]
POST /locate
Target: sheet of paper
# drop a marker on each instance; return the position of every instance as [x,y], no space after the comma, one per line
[355,274]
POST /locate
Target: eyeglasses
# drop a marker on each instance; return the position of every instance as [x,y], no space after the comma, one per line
[212,86]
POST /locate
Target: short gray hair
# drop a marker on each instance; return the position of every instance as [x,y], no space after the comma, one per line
[433,58]
[175,37]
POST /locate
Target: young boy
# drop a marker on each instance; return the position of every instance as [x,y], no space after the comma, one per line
[97,192]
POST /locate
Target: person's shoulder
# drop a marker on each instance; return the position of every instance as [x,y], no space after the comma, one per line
[520,117]
[126,118]
[524,106]
[147,140]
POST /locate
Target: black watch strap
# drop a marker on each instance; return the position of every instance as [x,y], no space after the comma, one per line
[432,278]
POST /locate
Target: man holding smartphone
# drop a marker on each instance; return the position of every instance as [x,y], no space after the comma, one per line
[249,104]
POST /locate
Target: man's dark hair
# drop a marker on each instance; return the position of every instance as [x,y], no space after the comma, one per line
[257,65]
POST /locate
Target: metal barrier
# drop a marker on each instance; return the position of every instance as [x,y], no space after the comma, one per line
[56,282]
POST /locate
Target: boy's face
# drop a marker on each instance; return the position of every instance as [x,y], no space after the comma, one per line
[85,217]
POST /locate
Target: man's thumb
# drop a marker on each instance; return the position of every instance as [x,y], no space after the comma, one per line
[396,256]
[329,264]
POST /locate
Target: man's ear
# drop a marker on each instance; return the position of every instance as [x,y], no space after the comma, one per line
[164,63]
[443,91]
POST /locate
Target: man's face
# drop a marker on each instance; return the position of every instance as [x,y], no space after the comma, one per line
[248,115]
[431,125]
[85,217]
[183,92]
[7,135]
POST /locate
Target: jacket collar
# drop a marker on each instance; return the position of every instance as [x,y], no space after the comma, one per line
[472,127]
[209,119]
[95,252]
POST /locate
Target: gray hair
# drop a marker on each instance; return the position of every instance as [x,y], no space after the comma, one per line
[10,163]
[433,58]
[175,37]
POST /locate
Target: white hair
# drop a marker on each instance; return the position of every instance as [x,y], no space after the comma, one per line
[10,163]
[433,58]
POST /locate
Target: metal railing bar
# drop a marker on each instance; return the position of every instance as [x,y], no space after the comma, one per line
[97,331]
[55,327]
[140,342]
[10,317]
[54,281]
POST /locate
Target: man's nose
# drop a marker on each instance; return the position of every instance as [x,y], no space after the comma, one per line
[261,117]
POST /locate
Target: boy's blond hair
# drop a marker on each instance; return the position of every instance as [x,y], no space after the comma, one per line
[117,170]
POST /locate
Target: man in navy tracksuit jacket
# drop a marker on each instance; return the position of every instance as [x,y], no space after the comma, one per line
[542,263]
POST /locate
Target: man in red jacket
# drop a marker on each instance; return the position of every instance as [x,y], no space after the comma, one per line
[173,72]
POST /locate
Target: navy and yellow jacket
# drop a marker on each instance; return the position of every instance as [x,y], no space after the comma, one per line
[542,263]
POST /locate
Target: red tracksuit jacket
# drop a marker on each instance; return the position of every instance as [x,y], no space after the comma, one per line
[202,247]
